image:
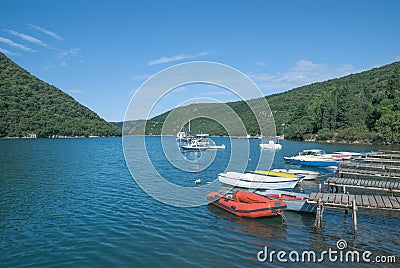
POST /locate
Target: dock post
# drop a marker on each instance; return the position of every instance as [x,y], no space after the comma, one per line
[318,217]
[355,216]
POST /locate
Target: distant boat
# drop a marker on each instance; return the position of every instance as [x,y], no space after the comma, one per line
[245,204]
[217,147]
[256,181]
[195,145]
[181,136]
[271,145]
[313,158]
[305,174]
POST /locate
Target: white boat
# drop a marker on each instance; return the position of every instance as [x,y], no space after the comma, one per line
[181,136]
[256,181]
[195,145]
[294,201]
[271,145]
[313,158]
[217,147]
[305,174]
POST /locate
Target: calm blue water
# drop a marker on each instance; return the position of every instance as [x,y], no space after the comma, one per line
[73,202]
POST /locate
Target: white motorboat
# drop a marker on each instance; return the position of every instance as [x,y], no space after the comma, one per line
[271,145]
[195,145]
[257,181]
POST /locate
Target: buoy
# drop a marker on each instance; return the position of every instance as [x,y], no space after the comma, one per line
[197,167]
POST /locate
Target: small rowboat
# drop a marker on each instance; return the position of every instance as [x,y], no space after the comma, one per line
[246,204]
[257,181]
[294,201]
[304,174]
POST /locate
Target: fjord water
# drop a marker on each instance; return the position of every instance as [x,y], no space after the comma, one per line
[73,202]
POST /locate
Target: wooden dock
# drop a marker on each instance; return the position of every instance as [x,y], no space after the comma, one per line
[390,186]
[367,173]
[383,161]
[353,202]
[375,167]
[361,201]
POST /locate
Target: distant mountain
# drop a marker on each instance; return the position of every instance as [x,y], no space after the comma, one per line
[31,107]
[358,107]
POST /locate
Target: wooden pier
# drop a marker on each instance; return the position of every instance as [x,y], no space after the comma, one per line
[361,201]
[367,173]
[350,201]
[390,186]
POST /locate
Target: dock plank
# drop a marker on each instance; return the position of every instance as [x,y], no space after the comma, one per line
[345,199]
[331,198]
[325,198]
[365,201]
[338,198]
[358,200]
[386,201]
[395,204]
[372,201]
[379,201]
[312,196]
[351,198]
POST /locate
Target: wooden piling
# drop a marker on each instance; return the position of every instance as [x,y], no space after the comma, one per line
[355,216]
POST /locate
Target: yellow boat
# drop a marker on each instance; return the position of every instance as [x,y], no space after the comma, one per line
[274,173]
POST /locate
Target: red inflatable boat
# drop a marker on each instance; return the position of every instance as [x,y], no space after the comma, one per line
[245,204]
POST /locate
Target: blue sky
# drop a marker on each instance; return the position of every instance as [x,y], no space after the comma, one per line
[100,52]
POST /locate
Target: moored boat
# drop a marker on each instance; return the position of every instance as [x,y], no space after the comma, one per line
[313,158]
[271,145]
[195,145]
[246,204]
[305,174]
[294,201]
[257,181]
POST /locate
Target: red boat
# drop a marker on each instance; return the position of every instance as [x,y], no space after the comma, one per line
[246,204]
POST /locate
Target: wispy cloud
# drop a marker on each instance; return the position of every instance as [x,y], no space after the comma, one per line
[70,52]
[75,91]
[303,73]
[27,37]
[45,31]
[176,58]
[5,51]
[14,44]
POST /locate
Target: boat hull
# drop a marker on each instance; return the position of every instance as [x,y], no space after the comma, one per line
[305,174]
[312,163]
[255,181]
[294,201]
[265,208]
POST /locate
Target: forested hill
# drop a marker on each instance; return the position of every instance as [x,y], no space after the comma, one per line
[358,107]
[31,106]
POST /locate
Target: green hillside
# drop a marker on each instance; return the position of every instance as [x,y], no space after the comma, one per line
[31,106]
[357,107]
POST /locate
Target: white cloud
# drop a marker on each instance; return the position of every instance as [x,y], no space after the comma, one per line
[70,52]
[75,91]
[45,31]
[14,44]
[176,58]
[27,38]
[303,73]
[260,63]
[5,51]
[63,64]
